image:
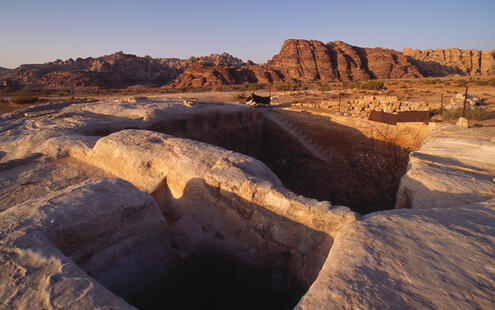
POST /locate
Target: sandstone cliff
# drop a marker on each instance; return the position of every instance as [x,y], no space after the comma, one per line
[441,62]
[302,60]
[313,60]
[205,74]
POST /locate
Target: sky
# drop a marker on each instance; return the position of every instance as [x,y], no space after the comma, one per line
[38,31]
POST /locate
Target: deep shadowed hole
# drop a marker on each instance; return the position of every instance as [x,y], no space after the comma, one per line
[363,173]
[215,282]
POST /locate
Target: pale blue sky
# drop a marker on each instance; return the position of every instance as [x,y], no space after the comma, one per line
[38,31]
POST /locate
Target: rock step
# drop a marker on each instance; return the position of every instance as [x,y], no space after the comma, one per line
[315,149]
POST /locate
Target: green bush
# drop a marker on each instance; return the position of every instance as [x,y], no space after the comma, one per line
[23,96]
[472,113]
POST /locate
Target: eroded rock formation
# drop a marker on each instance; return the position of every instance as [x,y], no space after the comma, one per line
[410,259]
[164,198]
[204,74]
[211,201]
[298,60]
[116,70]
[451,169]
[441,62]
[51,246]
[313,60]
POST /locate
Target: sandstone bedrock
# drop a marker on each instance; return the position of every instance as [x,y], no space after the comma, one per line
[108,199]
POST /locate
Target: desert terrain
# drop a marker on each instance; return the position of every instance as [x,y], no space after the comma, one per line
[136,182]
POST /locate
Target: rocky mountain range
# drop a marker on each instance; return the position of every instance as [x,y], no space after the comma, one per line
[115,70]
[298,60]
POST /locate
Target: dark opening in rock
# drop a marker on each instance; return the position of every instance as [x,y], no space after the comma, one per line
[237,254]
[343,165]
[216,282]
[313,155]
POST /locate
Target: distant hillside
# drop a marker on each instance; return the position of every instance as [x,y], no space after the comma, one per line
[4,70]
[116,70]
[298,60]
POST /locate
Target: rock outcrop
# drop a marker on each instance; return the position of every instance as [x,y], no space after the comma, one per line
[452,168]
[304,60]
[79,244]
[249,215]
[441,62]
[411,259]
[214,200]
[62,250]
[205,74]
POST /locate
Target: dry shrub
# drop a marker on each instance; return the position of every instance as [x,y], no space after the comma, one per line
[472,113]
[24,96]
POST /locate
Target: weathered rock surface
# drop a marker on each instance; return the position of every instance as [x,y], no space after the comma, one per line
[441,62]
[312,60]
[411,259]
[247,212]
[204,74]
[214,200]
[75,239]
[453,167]
[462,122]
[201,75]
[34,178]
[51,131]
[105,226]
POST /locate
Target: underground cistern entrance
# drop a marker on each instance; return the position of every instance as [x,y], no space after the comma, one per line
[225,261]
[348,162]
